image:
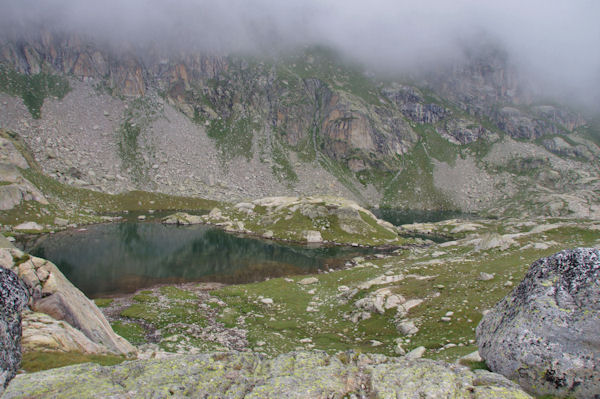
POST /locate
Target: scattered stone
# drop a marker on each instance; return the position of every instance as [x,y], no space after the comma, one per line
[472,357]
[305,341]
[380,281]
[308,280]
[215,213]
[466,227]
[494,240]
[398,349]
[313,236]
[60,221]
[267,301]
[403,309]
[268,234]
[446,319]
[508,283]
[407,327]
[182,218]
[416,353]
[485,276]
[544,334]
[359,316]
[29,226]
[141,217]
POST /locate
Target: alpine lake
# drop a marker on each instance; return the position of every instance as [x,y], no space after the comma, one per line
[116,258]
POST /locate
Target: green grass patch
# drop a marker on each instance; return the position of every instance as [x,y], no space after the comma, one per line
[33,89]
[288,321]
[233,137]
[103,302]
[38,361]
[145,297]
[177,293]
[132,332]
[162,315]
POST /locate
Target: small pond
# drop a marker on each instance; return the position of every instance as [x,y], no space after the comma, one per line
[399,217]
[123,257]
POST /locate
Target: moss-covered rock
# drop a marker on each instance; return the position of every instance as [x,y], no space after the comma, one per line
[308,219]
[250,375]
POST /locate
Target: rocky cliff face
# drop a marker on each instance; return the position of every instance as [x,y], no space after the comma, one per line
[224,126]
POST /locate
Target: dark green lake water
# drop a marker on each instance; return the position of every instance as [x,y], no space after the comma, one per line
[399,217]
[123,257]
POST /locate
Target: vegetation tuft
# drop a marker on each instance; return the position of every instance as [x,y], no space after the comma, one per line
[33,89]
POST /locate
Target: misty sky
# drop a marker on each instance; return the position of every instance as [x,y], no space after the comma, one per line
[555,42]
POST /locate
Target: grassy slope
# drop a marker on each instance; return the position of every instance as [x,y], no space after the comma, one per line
[81,205]
[279,327]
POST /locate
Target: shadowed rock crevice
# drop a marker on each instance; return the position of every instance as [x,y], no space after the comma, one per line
[13,299]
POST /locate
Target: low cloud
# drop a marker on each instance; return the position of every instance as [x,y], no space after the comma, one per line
[553,42]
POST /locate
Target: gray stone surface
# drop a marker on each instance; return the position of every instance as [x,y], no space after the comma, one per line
[250,375]
[546,333]
[13,299]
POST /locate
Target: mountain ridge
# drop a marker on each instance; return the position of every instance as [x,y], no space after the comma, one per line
[468,138]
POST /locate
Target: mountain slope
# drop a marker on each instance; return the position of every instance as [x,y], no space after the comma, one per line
[468,136]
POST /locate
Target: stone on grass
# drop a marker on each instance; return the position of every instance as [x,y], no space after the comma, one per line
[416,353]
[29,226]
[407,327]
[546,333]
[483,276]
[473,357]
[308,281]
[313,236]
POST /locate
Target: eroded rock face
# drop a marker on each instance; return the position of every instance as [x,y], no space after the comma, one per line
[249,375]
[51,293]
[13,299]
[42,333]
[546,333]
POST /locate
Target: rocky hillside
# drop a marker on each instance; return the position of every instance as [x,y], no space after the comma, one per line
[467,137]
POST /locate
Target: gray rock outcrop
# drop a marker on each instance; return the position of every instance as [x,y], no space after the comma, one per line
[13,299]
[546,333]
[249,375]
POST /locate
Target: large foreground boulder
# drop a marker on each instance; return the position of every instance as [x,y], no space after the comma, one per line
[546,333]
[13,299]
[51,293]
[249,375]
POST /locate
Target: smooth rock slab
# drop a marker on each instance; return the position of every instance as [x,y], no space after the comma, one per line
[249,375]
[51,293]
[546,333]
